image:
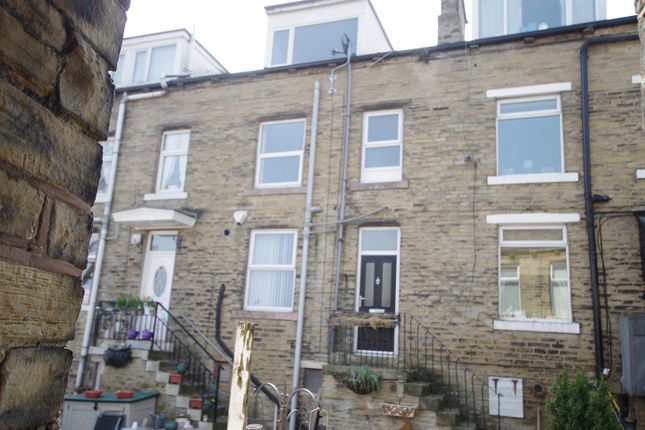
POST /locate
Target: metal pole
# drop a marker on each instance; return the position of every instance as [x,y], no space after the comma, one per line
[305,250]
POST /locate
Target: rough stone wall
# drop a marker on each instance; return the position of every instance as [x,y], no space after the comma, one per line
[441,209]
[639,6]
[55,102]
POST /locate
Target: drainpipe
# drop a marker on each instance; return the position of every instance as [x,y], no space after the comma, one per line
[341,204]
[107,210]
[589,211]
[305,251]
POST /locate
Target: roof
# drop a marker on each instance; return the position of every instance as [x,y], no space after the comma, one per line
[459,46]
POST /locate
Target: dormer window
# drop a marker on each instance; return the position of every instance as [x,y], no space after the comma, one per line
[308,31]
[308,43]
[151,64]
[500,17]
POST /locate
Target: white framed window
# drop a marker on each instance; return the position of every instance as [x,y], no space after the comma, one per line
[534,273]
[271,273]
[88,273]
[382,153]
[280,154]
[103,191]
[312,42]
[152,63]
[501,17]
[173,159]
[529,136]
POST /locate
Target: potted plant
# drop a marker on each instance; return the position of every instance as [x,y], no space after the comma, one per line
[146,334]
[181,367]
[132,334]
[118,356]
[363,381]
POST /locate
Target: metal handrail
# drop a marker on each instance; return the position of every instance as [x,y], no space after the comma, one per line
[371,341]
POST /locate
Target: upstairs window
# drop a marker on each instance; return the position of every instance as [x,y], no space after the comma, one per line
[308,43]
[382,146]
[103,191]
[280,153]
[151,64]
[500,17]
[271,271]
[172,161]
[529,136]
[534,273]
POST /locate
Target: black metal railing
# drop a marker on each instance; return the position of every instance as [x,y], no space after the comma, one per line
[402,342]
[168,335]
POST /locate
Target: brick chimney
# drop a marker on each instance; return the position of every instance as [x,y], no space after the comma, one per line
[639,6]
[452,21]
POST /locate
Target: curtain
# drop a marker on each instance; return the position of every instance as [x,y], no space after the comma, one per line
[270,288]
[559,291]
[273,248]
[174,172]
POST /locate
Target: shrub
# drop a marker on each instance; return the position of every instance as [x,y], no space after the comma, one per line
[581,405]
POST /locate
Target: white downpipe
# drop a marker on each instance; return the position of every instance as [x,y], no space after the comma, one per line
[104,229]
[305,251]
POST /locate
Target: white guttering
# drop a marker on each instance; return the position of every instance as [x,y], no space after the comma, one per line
[104,228]
[305,250]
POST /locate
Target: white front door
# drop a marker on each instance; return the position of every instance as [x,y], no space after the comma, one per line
[159,266]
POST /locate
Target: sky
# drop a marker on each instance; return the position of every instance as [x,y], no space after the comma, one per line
[234,31]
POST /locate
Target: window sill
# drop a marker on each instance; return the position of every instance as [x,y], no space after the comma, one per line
[536,178]
[640,173]
[537,326]
[275,191]
[264,315]
[165,196]
[363,186]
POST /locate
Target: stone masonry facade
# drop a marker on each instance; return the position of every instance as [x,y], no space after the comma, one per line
[448,251]
[55,103]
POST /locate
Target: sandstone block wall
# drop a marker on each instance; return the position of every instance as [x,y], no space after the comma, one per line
[55,102]
[639,6]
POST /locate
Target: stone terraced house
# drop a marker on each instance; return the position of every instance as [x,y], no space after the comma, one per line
[428,213]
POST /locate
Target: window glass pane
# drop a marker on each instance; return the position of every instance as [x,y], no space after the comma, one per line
[509,272]
[173,172]
[387,156]
[379,240]
[118,73]
[280,47]
[386,291]
[104,182]
[279,169]
[140,67]
[108,148]
[538,234]
[316,42]
[559,290]
[529,145]
[537,299]
[273,248]
[491,18]
[531,106]
[162,62]
[282,137]
[270,288]
[93,247]
[163,243]
[369,284]
[176,141]
[537,14]
[383,127]
[583,11]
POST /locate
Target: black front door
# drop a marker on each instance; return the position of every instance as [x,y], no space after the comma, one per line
[377,295]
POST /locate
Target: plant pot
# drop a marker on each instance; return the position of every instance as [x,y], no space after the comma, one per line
[146,335]
[176,378]
[195,403]
[132,334]
[118,356]
[208,404]
[181,368]
[401,410]
[170,425]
